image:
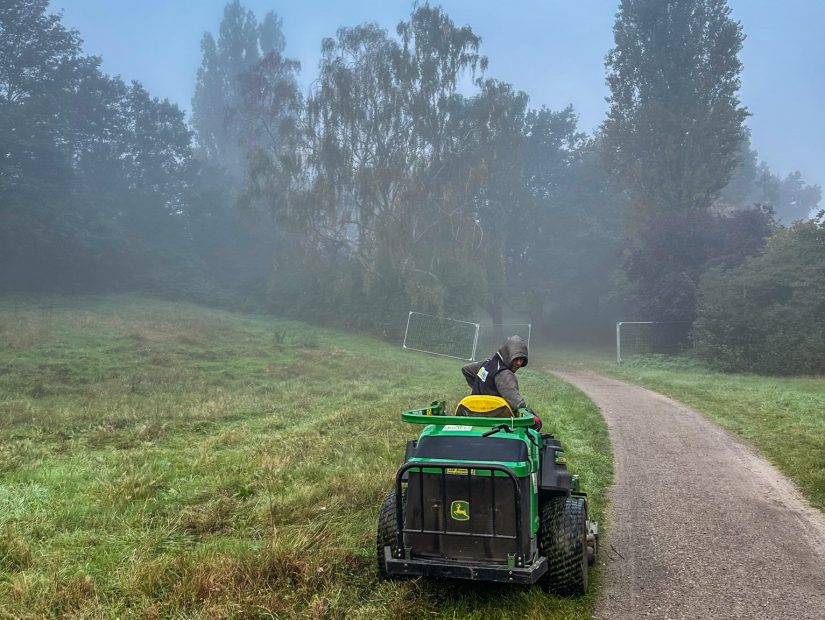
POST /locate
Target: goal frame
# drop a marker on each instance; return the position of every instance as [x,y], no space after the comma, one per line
[466,359]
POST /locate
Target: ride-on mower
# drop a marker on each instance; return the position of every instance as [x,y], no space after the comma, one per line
[484,496]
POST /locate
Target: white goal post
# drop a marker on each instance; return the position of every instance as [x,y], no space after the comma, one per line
[439,336]
[463,340]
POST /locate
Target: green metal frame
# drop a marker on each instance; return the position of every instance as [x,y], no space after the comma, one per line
[400,560]
[521,424]
[434,414]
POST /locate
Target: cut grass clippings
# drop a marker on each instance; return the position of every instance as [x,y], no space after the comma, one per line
[166,460]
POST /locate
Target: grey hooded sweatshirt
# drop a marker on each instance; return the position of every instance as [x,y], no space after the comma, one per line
[504,381]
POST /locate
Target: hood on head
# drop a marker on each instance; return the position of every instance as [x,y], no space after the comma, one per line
[513,347]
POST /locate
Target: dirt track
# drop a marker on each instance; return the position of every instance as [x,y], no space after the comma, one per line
[701,526]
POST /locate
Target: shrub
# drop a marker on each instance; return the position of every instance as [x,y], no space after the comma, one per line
[766,315]
[670,253]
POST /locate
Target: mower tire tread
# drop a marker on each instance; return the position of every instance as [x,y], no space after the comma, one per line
[387,529]
[563,540]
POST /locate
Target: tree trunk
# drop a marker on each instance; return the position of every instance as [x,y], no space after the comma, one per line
[496,312]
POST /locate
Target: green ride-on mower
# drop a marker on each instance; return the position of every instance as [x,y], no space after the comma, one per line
[483,496]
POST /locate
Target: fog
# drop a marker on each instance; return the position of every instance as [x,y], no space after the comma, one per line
[554,51]
[559,166]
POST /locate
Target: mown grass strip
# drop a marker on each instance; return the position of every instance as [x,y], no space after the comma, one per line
[166,460]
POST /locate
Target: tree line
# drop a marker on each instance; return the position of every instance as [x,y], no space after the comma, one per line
[405,178]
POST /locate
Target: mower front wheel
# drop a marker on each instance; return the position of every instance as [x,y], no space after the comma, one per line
[387,529]
[564,542]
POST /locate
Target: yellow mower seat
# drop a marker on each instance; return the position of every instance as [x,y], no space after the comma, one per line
[484,407]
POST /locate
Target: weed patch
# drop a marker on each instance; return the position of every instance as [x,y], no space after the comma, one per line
[15,554]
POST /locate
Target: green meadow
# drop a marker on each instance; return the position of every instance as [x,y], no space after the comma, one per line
[164,460]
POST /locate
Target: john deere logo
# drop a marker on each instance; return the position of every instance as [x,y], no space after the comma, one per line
[460,510]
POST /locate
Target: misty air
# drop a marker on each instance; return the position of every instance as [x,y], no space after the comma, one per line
[405,309]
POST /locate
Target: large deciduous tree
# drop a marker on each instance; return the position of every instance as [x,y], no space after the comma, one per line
[673,138]
[92,171]
[675,122]
[389,164]
[40,70]
[223,131]
[43,79]
[766,314]
[244,112]
[670,255]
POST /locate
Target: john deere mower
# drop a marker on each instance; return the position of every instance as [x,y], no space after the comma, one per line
[483,496]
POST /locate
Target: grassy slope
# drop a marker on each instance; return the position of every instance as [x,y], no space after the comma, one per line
[162,460]
[783,417]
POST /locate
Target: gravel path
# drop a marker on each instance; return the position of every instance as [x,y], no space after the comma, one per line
[700,526]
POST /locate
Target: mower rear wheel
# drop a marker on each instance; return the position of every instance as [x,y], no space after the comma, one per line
[387,529]
[563,541]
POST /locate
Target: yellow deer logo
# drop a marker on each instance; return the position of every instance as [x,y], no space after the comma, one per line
[460,510]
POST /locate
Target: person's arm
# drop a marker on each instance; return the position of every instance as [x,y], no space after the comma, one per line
[507,386]
[470,371]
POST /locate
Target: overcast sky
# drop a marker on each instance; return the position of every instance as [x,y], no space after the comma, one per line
[552,49]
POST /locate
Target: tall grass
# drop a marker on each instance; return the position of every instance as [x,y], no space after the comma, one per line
[165,460]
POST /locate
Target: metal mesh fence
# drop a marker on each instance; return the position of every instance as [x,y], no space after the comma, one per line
[645,337]
[440,336]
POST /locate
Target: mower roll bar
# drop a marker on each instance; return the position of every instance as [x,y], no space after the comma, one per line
[437,417]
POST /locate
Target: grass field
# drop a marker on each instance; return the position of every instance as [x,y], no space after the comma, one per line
[165,460]
[782,417]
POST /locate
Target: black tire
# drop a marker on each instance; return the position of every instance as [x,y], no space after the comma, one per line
[563,540]
[387,529]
